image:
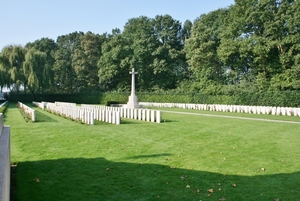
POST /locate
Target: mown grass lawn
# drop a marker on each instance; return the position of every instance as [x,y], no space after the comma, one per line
[187,157]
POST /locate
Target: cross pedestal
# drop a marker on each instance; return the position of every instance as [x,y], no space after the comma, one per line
[132,99]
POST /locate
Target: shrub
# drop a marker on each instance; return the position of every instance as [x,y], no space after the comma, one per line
[268,98]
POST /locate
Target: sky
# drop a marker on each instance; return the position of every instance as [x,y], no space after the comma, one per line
[26,21]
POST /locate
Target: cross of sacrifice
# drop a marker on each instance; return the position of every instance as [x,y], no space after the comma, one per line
[133,81]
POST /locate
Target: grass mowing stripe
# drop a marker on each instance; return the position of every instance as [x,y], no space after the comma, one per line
[236,117]
[233,114]
[179,159]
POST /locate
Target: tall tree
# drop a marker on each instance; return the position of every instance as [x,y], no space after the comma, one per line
[47,46]
[114,63]
[85,59]
[140,34]
[169,60]
[255,43]
[5,78]
[289,47]
[16,60]
[152,46]
[65,78]
[186,30]
[157,51]
[12,66]
[202,47]
[34,67]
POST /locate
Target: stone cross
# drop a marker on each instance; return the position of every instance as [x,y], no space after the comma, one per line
[132,99]
[133,81]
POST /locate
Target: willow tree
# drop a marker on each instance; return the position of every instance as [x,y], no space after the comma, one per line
[11,66]
[4,67]
[16,60]
[34,67]
[47,46]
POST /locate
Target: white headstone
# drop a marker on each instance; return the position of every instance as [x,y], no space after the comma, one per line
[139,114]
[152,117]
[144,115]
[118,119]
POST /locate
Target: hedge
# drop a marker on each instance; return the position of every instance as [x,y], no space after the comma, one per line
[282,99]
[3,108]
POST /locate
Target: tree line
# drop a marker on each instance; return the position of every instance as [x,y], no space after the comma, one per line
[250,46]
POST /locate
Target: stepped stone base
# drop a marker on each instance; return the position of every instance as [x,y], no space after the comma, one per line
[132,102]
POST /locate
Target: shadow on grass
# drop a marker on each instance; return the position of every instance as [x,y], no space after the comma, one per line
[101,179]
[123,121]
[102,123]
[148,156]
[129,121]
[40,117]
[168,121]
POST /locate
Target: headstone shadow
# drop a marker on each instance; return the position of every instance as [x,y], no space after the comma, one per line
[40,117]
[130,121]
[168,121]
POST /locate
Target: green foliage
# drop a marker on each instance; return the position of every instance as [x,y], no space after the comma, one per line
[65,78]
[88,98]
[114,64]
[4,107]
[164,97]
[259,41]
[34,70]
[152,46]
[11,67]
[250,47]
[201,48]
[236,97]
[114,97]
[46,76]
[85,60]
